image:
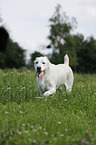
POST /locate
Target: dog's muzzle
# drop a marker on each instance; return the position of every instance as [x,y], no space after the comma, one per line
[39,70]
[40,73]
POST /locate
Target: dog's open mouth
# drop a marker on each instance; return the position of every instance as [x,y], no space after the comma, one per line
[40,74]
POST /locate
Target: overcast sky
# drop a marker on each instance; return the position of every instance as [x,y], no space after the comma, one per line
[27,20]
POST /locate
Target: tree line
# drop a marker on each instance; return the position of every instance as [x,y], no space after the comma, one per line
[13,56]
[81,51]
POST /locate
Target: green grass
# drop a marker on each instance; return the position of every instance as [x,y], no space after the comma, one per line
[64,119]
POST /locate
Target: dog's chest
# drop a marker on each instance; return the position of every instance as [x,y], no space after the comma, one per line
[43,84]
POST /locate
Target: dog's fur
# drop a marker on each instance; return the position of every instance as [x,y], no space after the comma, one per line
[50,76]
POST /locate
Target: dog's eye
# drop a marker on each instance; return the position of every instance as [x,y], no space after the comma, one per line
[37,62]
[43,62]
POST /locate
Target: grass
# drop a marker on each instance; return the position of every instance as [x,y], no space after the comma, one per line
[64,119]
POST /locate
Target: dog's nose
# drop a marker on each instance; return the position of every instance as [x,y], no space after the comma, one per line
[38,69]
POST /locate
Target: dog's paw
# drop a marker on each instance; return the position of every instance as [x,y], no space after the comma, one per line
[46,94]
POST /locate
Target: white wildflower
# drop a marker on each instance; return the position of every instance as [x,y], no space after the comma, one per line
[26,131]
[59,122]
[46,133]
[6,112]
[61,134]
[34,141]
[66,129]
[21,112]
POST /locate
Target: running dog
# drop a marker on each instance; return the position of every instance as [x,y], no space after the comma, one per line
[50,76]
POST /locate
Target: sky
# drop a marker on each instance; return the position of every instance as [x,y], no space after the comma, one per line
[28,20]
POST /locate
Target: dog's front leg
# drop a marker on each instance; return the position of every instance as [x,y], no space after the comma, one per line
[51,91]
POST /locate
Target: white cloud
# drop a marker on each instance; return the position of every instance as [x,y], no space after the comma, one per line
[91,11]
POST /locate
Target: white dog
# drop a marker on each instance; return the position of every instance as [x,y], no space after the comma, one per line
[50,76]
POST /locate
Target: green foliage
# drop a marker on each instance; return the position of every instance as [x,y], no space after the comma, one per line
[65,118]
[33,57]
[87,55]
[60,37]
[82,52]
[4,35]
[13,57]
[35,54]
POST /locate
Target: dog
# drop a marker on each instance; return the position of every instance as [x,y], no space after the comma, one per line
[51,76]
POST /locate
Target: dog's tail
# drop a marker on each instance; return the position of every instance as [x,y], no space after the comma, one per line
[66,59]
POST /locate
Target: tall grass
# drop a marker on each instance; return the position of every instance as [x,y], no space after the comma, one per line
[64,119]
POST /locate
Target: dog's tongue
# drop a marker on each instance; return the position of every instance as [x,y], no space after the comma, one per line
[41,75]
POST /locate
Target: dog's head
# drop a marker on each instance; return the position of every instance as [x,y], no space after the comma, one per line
[41,65]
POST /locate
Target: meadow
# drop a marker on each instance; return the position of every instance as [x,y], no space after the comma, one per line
[62,119]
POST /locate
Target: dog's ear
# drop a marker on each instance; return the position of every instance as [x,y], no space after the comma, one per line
[35,60]
[48,62]
[47,59]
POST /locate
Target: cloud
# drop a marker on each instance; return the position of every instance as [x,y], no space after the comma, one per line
[88,8]
[91,11]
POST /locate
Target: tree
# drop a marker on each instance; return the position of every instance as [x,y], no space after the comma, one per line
[87,56]
[35,54]
[33,57]
[4,35]
[3,39]
[13,57]
[11,54]
[61,39]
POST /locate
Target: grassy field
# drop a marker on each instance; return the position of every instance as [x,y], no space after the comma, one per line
[64,119]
